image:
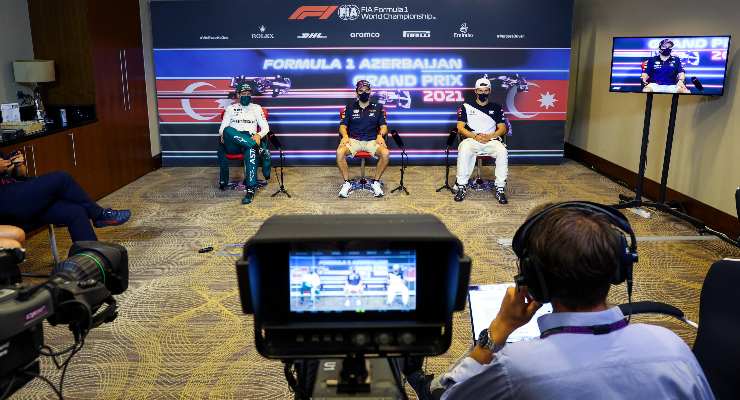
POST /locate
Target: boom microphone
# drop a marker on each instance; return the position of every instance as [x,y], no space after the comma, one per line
[274,140]
[697,84]
[397,139]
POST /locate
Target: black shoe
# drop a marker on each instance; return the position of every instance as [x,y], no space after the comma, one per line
[460,193]
[501,196]
[223,186]
[248,196]
[264,183]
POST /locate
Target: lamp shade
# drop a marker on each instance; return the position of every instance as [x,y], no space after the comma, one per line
[33,71]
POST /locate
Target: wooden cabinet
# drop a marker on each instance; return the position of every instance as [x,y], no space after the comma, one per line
[97,48]
[76,151]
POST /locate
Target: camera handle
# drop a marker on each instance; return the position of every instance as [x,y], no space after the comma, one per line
[351,375]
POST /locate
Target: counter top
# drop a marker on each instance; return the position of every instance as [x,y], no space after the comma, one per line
[49,130]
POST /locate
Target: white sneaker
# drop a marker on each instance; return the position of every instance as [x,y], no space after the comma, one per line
[344,192]
[377,189]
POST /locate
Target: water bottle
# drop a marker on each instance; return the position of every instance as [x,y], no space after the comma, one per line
[63,116]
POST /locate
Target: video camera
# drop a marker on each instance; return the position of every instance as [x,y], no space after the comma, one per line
[73,295]
[351,286]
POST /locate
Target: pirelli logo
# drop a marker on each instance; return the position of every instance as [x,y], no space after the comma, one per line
[320,12]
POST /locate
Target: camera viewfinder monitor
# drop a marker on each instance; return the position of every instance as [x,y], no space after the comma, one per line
[328,286]
[687,65]
[356,281]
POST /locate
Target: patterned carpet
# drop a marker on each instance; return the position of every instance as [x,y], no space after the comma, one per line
[180,332]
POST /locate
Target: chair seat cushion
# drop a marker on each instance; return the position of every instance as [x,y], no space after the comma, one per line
[363,154]
[235,156]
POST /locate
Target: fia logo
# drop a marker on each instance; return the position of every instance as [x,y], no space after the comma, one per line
[349,12]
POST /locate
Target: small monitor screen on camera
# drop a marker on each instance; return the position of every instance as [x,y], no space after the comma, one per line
[352,281]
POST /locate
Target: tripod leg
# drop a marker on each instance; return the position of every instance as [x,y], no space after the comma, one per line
[282,179]
[447,172]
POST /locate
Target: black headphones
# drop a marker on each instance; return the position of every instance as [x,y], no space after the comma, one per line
[530,266]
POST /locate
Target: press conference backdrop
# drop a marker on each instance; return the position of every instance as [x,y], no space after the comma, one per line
[302,60]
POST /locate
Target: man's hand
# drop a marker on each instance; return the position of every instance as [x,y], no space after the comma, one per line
[5,165]
[18,159]
[256,138]
[514,313]
[221,137]
[482,138]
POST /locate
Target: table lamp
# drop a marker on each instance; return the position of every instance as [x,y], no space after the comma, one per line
[35,72]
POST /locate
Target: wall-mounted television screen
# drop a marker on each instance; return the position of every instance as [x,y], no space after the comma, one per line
[692,65]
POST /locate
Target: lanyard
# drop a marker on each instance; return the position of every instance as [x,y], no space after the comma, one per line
[590,330]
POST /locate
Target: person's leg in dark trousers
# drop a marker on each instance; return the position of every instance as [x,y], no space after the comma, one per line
[24,201]
[266,159]
[74,216]
[223,166]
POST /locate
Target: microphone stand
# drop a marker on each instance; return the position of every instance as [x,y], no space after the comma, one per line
[447,164]
[281,177]
[401,186]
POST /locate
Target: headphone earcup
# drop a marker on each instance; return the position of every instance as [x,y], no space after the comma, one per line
[625,262]
[532,277]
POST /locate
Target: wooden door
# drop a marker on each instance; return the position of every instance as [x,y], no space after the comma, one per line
[92,163]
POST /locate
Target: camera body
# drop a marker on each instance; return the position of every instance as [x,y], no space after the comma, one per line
[387,285]
[73,295]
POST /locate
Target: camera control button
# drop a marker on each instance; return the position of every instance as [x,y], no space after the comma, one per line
[87,283]
[361,339]
[407,338]
[383,339]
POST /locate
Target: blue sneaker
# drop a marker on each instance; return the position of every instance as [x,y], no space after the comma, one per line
[111,217]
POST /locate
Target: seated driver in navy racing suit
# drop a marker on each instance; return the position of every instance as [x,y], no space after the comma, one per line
[239,135]
[664,73]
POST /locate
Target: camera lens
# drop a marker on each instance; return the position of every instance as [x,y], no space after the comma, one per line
[106,263]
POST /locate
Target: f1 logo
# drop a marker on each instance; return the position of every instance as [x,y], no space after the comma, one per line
[320,12]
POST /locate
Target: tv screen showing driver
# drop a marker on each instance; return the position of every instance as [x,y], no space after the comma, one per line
[354,281]
[691,65]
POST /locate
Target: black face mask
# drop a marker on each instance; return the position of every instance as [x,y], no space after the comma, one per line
[364,97]
[666,51]
[482,96]
[244,100]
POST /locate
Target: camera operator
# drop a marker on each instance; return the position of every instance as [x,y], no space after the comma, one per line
[586,349]
[54,198]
